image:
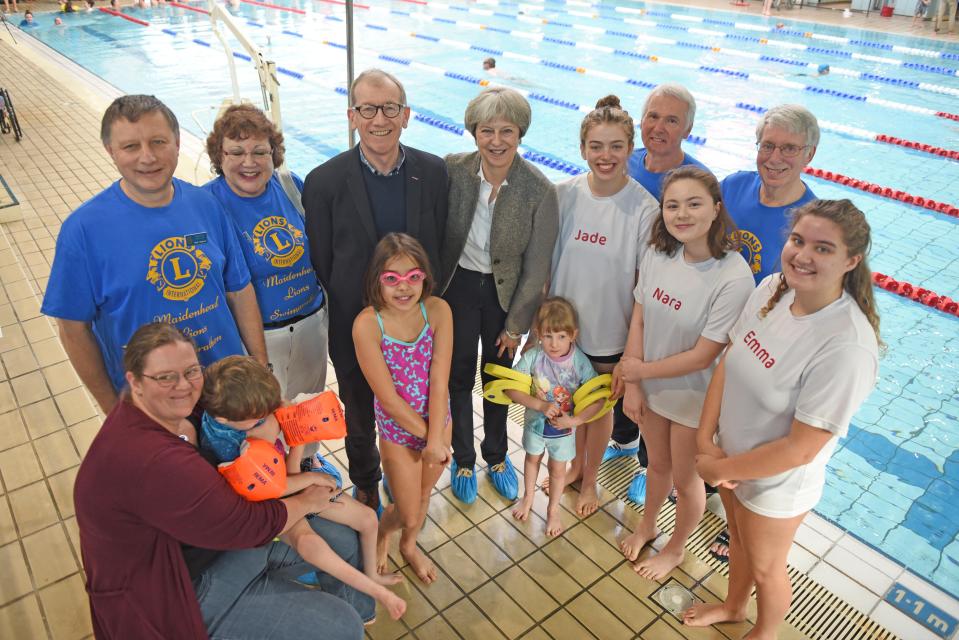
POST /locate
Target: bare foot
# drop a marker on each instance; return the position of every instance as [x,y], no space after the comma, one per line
[521,512]
[633,544]
[573,474]
[588,500]
[382,548]
[657,566]
[387,579]
[423,567]
[395,605]
[705,614]
[554,525]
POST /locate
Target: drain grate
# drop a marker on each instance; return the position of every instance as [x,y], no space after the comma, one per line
[815,611]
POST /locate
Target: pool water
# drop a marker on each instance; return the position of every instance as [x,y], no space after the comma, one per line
[894,481]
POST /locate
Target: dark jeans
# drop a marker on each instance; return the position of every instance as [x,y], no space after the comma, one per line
[361,451]
[252,594]
[477,315]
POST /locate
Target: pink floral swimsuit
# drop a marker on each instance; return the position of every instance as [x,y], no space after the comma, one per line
[409,365]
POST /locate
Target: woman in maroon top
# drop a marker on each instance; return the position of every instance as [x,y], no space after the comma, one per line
[149,507]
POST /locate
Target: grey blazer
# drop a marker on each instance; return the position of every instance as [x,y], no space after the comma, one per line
[522,234]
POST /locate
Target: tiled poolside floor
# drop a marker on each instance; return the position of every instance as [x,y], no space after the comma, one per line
[497,579]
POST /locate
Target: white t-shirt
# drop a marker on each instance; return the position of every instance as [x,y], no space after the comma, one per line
[600,245]
[681,302]
[817,369]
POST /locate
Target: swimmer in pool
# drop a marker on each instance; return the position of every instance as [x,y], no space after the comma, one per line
[489,66]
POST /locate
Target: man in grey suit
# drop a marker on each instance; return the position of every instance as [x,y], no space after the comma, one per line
[351,202]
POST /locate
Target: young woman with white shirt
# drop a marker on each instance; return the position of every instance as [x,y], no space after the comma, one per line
[604,222]
[692,286]
[803,358]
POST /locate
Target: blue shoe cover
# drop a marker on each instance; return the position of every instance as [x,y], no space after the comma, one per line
[463,483]
[637,489]
[322,465]
[504,479]
[616,450]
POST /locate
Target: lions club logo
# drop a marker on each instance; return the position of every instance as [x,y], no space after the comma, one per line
[751,248]
[177,268]
[278,241]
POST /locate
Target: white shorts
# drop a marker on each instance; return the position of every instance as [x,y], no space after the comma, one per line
[298,354]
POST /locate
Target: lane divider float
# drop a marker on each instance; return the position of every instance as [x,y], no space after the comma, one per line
[124,16]
[885,192]
[916,294]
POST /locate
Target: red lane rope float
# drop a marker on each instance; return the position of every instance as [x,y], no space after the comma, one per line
[885,192]
[917,294]
[275,6]
[180,5]
[919,146]
[124,16]
[950,116]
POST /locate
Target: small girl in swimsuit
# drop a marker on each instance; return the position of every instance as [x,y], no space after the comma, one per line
[404,343]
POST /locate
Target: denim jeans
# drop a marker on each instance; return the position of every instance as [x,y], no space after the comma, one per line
[252,594]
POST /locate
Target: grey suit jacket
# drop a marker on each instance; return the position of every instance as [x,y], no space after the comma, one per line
[522,234]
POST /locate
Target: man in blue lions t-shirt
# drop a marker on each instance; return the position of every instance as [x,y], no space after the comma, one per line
[148,248]
[760,202]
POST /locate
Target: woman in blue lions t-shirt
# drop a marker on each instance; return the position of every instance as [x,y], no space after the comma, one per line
[244,149]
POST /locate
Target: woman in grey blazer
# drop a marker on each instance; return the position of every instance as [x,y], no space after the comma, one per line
[496,257]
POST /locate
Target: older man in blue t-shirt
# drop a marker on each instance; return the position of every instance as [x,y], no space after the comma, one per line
[668,116]
[148,248]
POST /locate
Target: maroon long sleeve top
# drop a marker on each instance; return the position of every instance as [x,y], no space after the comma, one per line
[140,494]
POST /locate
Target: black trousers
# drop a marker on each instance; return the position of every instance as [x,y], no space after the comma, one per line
[361,451]
[625,431]
[477,315]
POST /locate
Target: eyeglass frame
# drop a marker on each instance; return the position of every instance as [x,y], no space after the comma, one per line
[178,375]
[256,154]
[782,149]
[378,108]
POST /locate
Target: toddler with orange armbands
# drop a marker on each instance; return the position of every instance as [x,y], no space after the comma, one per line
[239,428]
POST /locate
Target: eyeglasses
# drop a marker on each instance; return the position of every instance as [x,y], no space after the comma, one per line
[393,279]
[256,154]
[368,111]
[172,378]
[787,150]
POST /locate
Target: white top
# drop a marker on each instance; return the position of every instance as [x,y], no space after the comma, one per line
[681,302]
[476,251]
[817,369]
[598,250]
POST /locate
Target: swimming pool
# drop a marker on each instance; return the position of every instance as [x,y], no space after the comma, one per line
[894,480]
